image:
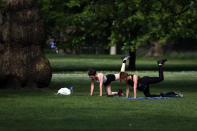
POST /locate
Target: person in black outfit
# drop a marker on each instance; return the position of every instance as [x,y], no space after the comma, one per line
[142,84]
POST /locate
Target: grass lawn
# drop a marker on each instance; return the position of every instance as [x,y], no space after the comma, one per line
[113,63]
[41,109]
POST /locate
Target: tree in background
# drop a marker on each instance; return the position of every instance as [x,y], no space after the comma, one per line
[129,22]
[75,23]
[186,22]
[155,21]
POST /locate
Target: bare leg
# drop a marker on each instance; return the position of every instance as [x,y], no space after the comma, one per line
[109,92]
[114,93]
[123,67]
[124,63]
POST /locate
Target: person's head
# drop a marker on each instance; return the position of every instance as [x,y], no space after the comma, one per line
[92,73]
[123,77]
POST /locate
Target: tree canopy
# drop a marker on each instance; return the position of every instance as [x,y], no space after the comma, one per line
[129,22]
[2,5]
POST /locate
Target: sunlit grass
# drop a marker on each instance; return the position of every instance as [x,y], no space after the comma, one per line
[107,62]
[45,110]
[42,109]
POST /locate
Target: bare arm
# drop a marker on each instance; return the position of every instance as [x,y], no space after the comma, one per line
[91,87]
[135,80]
[101,84]
[127,90]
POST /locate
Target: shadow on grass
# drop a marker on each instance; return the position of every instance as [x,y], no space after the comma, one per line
[103,118]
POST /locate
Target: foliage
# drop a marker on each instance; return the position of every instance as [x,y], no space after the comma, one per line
[3,6]
[73,20]
[186,26]
[130,22]
[153,20]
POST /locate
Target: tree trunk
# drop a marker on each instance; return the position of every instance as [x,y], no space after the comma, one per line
[155,51]
[132,60]
[22,62]
[113,50]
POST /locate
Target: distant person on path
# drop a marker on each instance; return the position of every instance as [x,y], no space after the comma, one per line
[105,80]
[142,84]
[53,46]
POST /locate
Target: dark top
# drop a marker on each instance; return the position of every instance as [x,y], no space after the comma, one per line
[139,84]
[110,78]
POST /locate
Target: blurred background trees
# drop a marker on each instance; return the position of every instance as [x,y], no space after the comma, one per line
[79,24]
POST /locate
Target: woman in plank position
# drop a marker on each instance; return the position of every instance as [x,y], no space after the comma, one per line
[105,80]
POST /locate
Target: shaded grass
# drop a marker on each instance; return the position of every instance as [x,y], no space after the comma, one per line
[41,109]
[97,113]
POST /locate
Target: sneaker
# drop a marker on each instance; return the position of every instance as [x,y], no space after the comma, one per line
[179,95]
[124,58]
[161,62]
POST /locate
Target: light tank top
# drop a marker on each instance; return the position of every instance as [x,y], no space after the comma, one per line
[104,78]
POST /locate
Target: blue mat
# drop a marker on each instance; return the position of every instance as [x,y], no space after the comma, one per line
[146,98]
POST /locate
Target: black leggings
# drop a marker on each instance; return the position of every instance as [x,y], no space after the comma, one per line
[146,80]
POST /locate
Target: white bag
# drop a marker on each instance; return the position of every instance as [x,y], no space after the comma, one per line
[64,91]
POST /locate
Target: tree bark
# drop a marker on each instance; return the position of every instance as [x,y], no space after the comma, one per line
[22,62]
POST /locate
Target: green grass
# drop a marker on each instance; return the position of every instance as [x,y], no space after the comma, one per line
[41,109]
[107,62]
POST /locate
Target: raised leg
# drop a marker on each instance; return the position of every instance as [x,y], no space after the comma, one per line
[124,59]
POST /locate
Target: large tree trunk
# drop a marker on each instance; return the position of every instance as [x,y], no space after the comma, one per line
[22,62]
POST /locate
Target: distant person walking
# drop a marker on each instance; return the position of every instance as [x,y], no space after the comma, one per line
[53,46]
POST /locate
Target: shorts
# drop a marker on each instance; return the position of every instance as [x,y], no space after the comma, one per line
[110,78]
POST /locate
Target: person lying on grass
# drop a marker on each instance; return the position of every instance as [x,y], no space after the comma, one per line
[105,80]
[142,84]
